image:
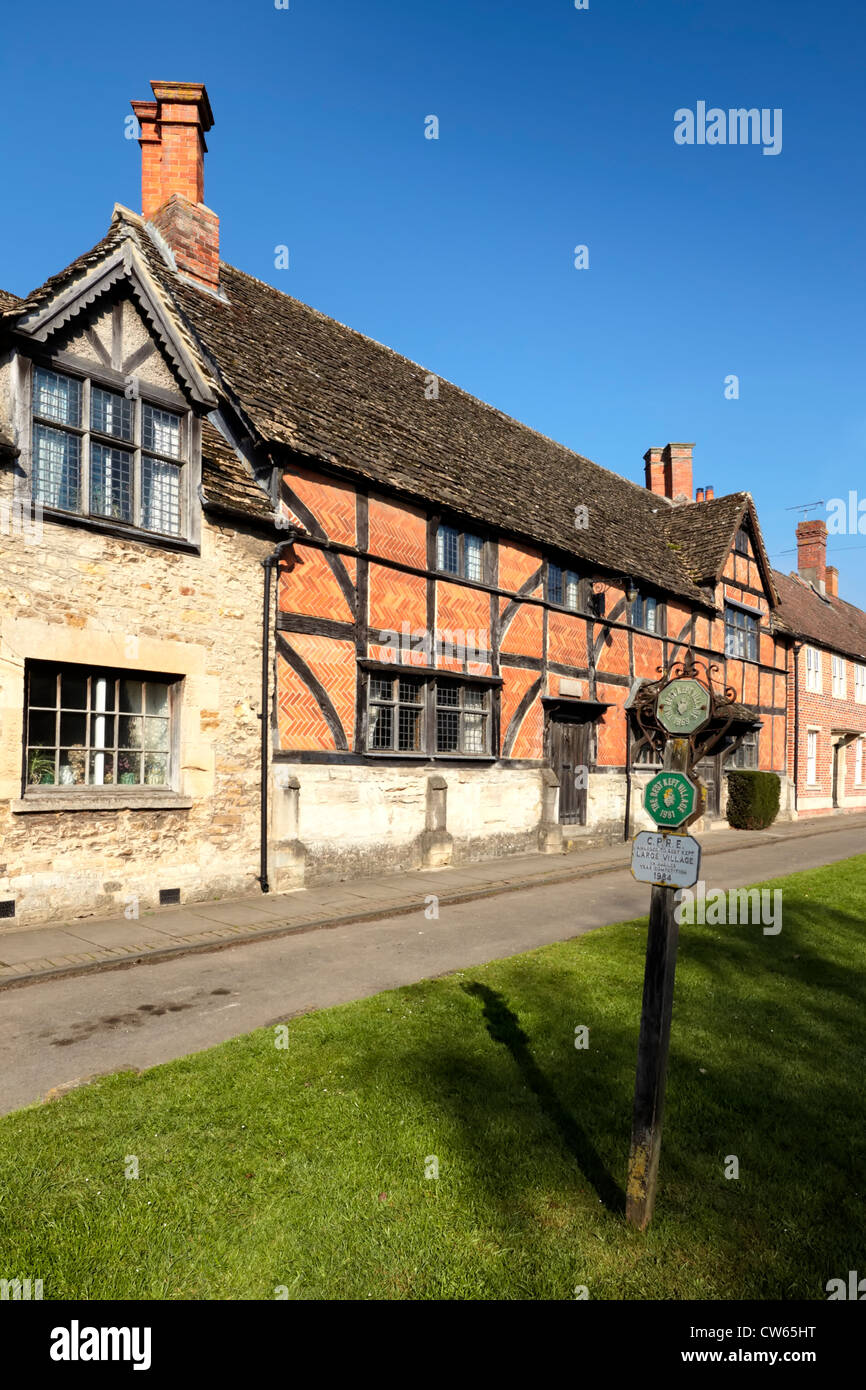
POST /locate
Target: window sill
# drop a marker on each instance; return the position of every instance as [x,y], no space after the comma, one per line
[138,800]
[120,530]
[388,753]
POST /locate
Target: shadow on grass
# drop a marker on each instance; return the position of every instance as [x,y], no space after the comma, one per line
[504,1027]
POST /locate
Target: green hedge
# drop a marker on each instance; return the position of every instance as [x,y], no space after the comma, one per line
[753,799]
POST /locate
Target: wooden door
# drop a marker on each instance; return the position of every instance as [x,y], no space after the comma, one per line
[569,753]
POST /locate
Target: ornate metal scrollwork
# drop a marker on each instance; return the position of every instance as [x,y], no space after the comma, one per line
[722,699]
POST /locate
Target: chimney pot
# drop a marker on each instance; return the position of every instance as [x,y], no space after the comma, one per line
[832,581]
[699,495]
[710,493]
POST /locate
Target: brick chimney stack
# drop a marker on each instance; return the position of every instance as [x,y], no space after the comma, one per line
[832,581]
[669,471]
[812,552]
[172,176]
[654,472]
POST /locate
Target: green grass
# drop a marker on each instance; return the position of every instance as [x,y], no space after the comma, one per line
[304,1167]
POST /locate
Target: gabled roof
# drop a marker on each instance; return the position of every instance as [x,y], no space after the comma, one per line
[703,533]
[828,621]
[301,383]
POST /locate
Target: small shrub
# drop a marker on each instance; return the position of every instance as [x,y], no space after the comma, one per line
[753,799]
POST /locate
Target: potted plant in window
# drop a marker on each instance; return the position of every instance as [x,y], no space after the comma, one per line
[40,768]
[127,776]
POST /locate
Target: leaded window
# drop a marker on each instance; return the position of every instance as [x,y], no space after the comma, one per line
[432,715]
[460,552]
[741,634]
[746,755]
[645,613]
[461,718]
[98,453]
[563,587]
[396,714]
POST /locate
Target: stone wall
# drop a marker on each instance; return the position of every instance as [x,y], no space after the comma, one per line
[83,597]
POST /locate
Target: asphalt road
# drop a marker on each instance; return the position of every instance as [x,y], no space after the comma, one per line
[56,1034]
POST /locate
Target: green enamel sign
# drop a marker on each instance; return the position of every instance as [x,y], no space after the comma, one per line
[670,798]
[683,706]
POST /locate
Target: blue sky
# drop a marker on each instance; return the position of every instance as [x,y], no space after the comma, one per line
[556,130]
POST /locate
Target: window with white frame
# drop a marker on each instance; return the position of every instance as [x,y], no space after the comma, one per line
[858,762]
[98,454]
[837,664]
[97,727]
[427,715]
[860,684]
[741,634]
[812,757]
[460,552]
[813,670]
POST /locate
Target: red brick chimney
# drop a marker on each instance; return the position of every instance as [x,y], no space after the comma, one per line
[669,471]
[654,472]
[833,581]
[172,176]
[812,551]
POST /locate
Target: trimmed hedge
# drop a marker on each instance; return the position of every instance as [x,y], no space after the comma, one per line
[753,799]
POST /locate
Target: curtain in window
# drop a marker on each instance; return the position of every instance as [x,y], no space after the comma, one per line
[160,496]
[56,468]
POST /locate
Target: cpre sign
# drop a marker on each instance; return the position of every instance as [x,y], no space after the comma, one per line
[673,861]
[670,798]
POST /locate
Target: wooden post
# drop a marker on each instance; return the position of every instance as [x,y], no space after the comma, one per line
[655,1034]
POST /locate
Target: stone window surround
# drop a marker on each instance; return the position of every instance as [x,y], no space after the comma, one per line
[23,638]
[84,369]
[116,794]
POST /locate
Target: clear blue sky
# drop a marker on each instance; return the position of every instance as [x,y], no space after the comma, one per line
[556,129]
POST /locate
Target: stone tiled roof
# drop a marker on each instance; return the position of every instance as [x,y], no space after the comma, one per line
[303,383]
[702,533]
[227,481]
[828,621]
[326,392]
[8,300]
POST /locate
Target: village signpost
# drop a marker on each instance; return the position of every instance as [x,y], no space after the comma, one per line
[671,861]
[670,798]
[683,718]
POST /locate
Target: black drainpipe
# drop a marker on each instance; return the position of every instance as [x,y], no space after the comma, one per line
[796,649]
[268,565]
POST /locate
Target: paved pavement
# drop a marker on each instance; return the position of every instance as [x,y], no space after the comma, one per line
[69,948]
[193,993]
